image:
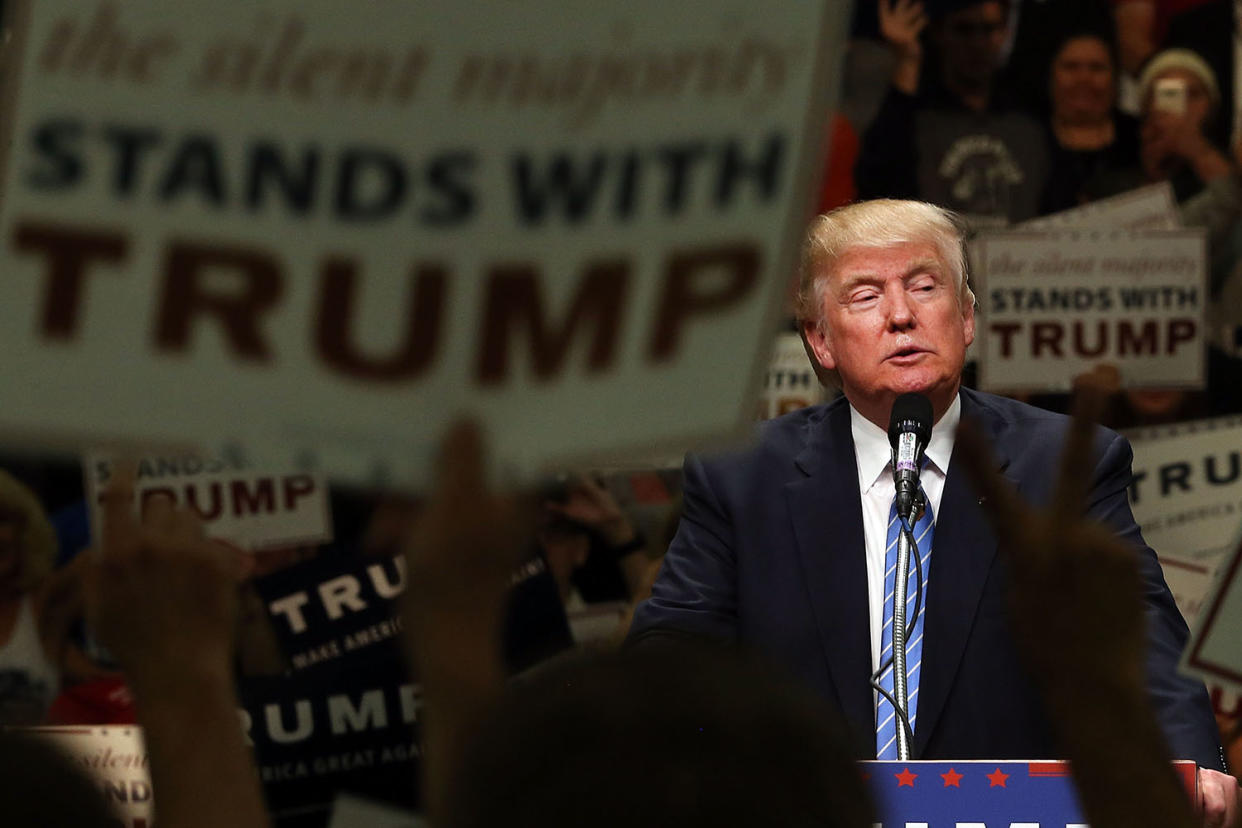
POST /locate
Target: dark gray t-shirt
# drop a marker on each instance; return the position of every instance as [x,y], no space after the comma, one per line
[987,163]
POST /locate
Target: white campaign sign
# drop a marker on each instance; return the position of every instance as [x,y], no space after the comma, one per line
[790,383]
[250,508]
[1146,208]
[1215,648]
[115,758]
[330,228]
[1187,498]
[1056,304]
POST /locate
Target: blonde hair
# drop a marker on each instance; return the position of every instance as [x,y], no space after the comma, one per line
[38,539]
[879,223]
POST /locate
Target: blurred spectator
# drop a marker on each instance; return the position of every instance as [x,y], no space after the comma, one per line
[596,556]
[163,599]
[944,132]
[591,545]
[1205,27]
[1040,30]
[32,637]
[686,737]
[1095,147]
[1209,29]
[1181,100]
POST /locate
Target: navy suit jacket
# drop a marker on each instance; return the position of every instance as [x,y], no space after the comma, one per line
[770,554]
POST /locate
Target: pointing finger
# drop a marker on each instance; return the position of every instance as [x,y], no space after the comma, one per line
[120,526]
[1074,481]
[459,469]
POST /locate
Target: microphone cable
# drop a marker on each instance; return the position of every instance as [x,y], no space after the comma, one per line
[908,530]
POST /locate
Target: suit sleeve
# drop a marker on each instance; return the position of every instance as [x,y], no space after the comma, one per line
[695,595]
[1181,703]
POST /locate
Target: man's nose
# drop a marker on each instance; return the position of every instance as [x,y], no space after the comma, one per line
[900,312]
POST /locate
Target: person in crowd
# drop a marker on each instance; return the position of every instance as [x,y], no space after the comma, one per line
[163,599]
[1095,147]
[597,558]
[633,738]
[38,606]
[1181,100]
[945,133]
[590,544]
[1039,28]
[782,546]
[1205,27]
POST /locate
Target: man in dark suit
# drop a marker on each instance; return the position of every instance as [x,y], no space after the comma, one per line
[781,546]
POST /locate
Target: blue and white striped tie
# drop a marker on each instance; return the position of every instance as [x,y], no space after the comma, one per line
[886,723]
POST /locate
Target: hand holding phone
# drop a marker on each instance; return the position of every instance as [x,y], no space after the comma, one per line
[1169,95]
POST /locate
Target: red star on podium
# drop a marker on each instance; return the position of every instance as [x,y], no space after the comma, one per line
[952,779]
[997,778]
[906,778]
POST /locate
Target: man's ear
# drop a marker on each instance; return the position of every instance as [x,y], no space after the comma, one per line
[818,345]
[968,323]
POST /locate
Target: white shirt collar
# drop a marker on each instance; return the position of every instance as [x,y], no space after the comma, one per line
[874,453]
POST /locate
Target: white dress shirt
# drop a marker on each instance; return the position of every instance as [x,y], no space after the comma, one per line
[875,483]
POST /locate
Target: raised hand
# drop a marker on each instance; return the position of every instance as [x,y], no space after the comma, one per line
[160,595]
[901,24]
[459,556]
[163,599]
[589,504]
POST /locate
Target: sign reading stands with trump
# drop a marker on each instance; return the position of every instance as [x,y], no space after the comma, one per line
[249,508]
[328,228]
[1056,304]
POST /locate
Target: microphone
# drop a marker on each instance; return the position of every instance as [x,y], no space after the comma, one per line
[909,429]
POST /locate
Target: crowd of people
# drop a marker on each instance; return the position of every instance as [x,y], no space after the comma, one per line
[1005,110]
[1012,110]
[700,735]
[1001,110]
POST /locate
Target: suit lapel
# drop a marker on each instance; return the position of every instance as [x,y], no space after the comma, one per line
[826,510]
[962,556]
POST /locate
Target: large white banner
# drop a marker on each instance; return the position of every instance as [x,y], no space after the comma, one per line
[1055,304]
[1187,497]
[329,228]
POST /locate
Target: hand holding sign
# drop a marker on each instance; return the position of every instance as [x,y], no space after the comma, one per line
[163,598]
[160,595]
[1079,619]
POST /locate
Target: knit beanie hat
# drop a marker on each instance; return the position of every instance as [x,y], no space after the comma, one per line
[1179,59]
